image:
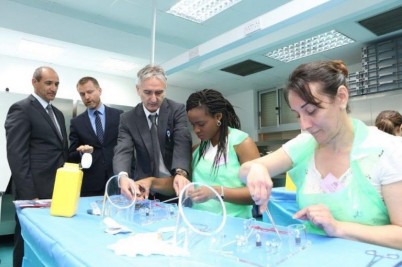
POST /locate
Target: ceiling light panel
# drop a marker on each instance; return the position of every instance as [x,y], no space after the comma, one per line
[117,64]
[200,10]
[310,46]
[39,49]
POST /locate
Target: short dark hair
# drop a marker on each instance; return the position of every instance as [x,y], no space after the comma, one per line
[86,79]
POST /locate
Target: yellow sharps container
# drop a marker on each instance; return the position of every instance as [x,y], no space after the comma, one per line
[66,192]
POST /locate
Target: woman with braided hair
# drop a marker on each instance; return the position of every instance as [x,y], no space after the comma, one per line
[223,148]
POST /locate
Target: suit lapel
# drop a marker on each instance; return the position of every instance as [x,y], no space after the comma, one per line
[162,124]
[143,128]
[45,115]
[107,117]
[88,125]
[57,114]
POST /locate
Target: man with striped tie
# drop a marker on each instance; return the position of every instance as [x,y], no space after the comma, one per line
[94,131]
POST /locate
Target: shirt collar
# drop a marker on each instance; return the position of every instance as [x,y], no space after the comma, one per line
[101,110]
[41,100]
[147,111]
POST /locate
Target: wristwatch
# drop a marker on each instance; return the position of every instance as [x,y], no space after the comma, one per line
[181,172]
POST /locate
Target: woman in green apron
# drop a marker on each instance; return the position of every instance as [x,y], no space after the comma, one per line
[348,175]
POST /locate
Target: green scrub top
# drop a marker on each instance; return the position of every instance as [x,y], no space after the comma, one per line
[226,175]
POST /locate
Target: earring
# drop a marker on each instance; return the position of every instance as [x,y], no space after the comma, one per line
[218,123]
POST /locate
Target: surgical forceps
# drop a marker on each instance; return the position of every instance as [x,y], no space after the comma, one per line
[377,257]
[271,220]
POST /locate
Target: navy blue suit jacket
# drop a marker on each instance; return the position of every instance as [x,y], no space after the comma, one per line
[82,133]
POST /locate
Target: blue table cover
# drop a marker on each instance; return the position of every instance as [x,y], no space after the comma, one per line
[282,205]
[81,241]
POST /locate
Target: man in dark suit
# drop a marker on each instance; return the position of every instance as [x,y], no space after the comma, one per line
[84,137]
[36,145]
[174,148]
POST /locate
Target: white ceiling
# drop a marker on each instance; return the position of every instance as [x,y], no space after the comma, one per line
[93,30]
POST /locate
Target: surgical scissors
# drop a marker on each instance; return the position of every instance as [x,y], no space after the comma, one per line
[377,257]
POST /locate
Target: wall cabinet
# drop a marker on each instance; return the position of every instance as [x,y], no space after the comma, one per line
[381,68]
[273,112]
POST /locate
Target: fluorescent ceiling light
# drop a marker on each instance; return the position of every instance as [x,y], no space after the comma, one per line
[117,64]
[310,46]
[200,10]
[39,49]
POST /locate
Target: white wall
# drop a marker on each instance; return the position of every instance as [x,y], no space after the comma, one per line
[367,107]
[16,74]
[246,108]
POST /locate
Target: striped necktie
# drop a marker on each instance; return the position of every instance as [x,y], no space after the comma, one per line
[155,144]
[98,125]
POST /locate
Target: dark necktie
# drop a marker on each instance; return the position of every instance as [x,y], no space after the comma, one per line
[98,125]
[155,144]
[53,118]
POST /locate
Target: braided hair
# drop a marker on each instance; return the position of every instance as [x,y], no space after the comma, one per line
[213,102]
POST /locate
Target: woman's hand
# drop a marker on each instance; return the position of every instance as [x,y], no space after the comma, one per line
[259,184]
[320,216]
[201,194]
[143,187]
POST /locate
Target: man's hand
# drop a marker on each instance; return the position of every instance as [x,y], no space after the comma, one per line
[128,187]
[85,149]
[179,182]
